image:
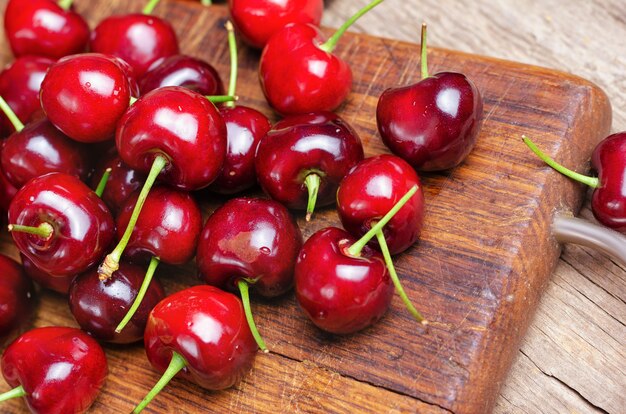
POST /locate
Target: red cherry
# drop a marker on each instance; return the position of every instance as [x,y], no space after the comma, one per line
[250,241]
[300,74]
[122,182]
[186,71]
[301,161]
[434,123]
[98,305]
[44,28]
[201,333]
[17,297]
[85,96]
[59,284]
[139,39]
[7,192]
[258,20]
[60,224]
[55,369]
[20,83]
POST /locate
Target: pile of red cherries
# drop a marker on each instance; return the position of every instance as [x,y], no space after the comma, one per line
[104,149]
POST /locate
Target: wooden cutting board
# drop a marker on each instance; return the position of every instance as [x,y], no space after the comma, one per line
[477,273]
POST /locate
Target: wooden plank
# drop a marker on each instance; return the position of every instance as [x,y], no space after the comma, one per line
[478,268]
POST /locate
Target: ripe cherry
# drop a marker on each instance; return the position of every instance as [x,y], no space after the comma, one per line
[300,74]
[59,284]
[201,333]
[99,305]
[434,123]
[250,241]
[17,297]
[301,161]
[122,182]
[86,95]
[44,28]
[608,202]
[258,20]
[55,369]
[181,70]
[139,39]
[342,284]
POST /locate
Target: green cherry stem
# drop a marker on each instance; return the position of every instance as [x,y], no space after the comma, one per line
[132,101]
[103,182]
[149,8]
[331,43]
[424,53]
[355,249]
[177,363]
[14,393]
[112,262]
[222,98]
[207,2]
[245,299]
[396,280]
[232,46]
[154,263]
[15,121]
[312,182]
[44,230]
[65,4]
[592,182]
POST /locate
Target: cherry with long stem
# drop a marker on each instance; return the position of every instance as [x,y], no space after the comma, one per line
[154,263]
[245,300]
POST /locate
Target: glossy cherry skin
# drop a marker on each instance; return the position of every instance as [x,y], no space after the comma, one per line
[39,149]
[61,369]
[320,143]
[608,201]
[208,328]
[371,189]
[83,226]
[298,77]
[168,227]
[59,284]
[258,20]
[42,28]
[17,298]
[250,238]
[432,124]
[122,182]
[245,129]
[98,306]
[20,83]
[186,71]
[181,125]
[138,39]
[85,96]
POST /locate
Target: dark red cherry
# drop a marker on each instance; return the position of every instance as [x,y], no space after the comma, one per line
[301,161]
[55,369]
[122,182]
[258,20]
[98,306]
[20,83]
[44,28]
[60,224]
[201,334]
[59,284]
[85,96]
[139,39]
[17,299]
[434,123]
[181,70]
[300,74]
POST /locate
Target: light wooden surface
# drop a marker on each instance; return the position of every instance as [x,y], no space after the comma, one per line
[573,356]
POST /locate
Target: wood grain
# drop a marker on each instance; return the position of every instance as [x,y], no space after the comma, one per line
[479,273]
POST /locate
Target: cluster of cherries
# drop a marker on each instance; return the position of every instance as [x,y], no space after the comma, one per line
[63,108]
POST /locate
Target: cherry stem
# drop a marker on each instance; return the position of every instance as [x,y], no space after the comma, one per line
[592,182]
[15,121]
[112,262]
[232,45]
[103,182]
[396,280]
[331,43]
[65,4]
[355,249]
[312,182]
[207,2]
[177,363]
[222,98]
[150,7]
[424,53]
[132,101]
[44,230]
[154,263]
[14,393]
[245,299]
